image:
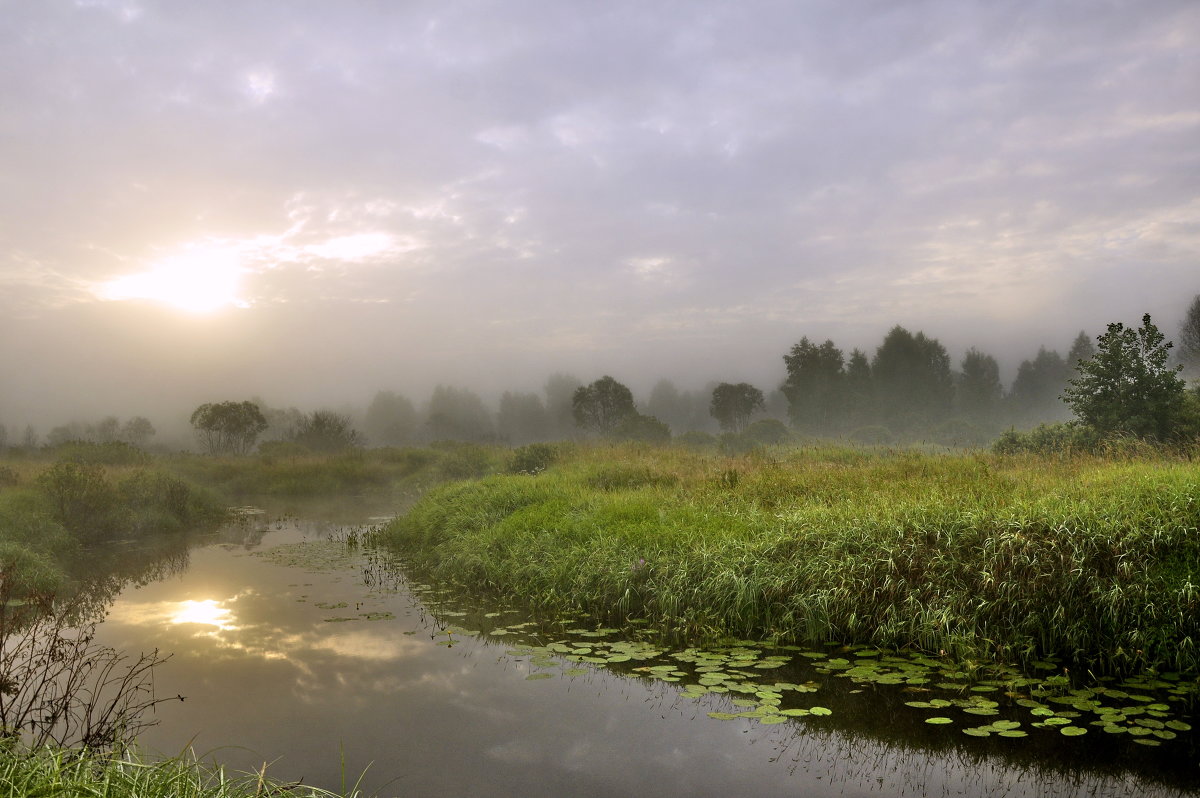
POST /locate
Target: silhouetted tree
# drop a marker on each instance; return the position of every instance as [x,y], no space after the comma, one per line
[522,418]
[602,405]
[560,392]
[1037,387]
[912,379]
[859,392]
[733,405]
[391,420]
[1127,385]
[228,427]
[1189,337]
[1082,349]
[815,385]
[642,428]
[325,431]
[671,406]
[979,387]
[458,414]
[137,431]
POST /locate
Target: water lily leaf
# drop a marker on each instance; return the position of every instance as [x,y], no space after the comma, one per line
[723,715]
[536,676]
[977,732]
[1178,725]
[1072,731]
[820,711]
[1013,733]
[938,721]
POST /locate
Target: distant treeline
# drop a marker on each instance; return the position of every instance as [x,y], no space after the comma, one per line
[908,389]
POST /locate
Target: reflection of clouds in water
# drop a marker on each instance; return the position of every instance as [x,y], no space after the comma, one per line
[516,752]
[370,645]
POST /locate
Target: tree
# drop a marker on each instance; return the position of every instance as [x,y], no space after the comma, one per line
[522,418]
[1189,337]
[228,427]
[458,414]
[602,405]
[137,431]
[912,379]
[979,388]
[560,392]
[1127,385]
[860,391]
[325,431]
[1082,349]
[732,405]
[1038,385]
[391,420]
[815,384]
[643,429]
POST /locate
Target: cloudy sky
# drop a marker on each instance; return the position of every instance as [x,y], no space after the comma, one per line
[308,201]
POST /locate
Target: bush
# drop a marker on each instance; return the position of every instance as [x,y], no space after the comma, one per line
[80,499]
[1060,439]
[464,460]
[532,459]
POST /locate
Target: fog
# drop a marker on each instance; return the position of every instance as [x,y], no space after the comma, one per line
[310,203]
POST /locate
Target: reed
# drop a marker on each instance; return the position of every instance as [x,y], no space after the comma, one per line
[63,771]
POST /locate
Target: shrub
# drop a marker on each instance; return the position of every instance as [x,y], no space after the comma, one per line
[80,499]
[1059,439]
[768,431]
[110,453]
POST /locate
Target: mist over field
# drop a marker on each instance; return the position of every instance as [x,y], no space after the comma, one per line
[309,204]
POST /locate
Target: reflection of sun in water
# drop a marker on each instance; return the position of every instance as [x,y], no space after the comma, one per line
[199,280]
[209,612]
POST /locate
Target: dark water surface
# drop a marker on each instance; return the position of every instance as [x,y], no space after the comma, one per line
[270,678]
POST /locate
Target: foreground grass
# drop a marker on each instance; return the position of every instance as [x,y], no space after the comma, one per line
[988,558]
[67,772]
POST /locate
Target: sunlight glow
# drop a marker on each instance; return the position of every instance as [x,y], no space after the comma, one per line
[208,612]
[200,280]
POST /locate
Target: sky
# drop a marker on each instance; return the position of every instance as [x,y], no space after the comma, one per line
[310,201]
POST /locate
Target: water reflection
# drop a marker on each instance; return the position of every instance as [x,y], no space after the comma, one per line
[282,664]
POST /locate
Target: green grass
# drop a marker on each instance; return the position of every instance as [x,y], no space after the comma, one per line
[69,772]
[986,557]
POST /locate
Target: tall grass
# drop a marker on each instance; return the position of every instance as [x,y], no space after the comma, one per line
[69,772]
[986,557]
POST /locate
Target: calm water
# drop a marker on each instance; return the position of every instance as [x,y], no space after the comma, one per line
[269,679]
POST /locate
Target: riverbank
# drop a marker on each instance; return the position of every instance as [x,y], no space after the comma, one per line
[1094,562]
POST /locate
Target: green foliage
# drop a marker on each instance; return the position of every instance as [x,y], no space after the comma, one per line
[466,460]
[816,385]
[1035,391]
[911,375]
[8,477]
[978,391]
[80,499]
[25,571]
[532,459]
[1127,386]
[228,427]
[732,405]
[55,771]
[1049,439]
[522,418]
[602,405]
[768,432]
[1007,559]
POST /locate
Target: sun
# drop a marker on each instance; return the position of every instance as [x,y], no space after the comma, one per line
[198,280]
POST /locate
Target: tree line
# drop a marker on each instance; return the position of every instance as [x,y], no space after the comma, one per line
[907,389]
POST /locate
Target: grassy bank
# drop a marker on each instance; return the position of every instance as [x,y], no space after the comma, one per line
[986,557]
[66,772]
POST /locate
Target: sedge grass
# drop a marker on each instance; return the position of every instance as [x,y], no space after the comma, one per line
[1095,561]
[74,772]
